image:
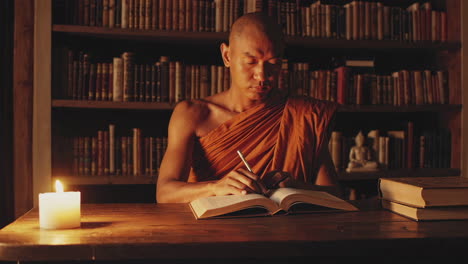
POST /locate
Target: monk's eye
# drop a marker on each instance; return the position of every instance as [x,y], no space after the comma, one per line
[250,61]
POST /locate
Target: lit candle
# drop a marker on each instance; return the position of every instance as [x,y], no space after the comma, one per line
[59,210]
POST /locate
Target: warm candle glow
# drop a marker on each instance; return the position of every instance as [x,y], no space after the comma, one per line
[59,209]
[58,186]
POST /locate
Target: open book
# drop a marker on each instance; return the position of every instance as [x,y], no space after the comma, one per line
[286,200]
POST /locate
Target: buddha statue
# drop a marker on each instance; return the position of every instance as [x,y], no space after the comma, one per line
[360,156]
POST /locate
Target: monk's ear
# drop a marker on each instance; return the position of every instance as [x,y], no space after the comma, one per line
[225,54]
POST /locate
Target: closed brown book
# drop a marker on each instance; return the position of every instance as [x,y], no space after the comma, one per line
[425,192]
[105,152]
[124,13]
[69,89]
[105,82]
[136,152]
[427,214]
[112,9]
[136,83]
[142,83]
[92,81]
[130,155]
[111,149]
[201,15]
[154,14]
[94,150]
[181,15]
[105,13]
[117,82]
[98,93]
[179,82]
[148,82]
[148,14]
[195,10]
[92,13]
[188,15]
[172,81]
[100,153]
[162,14]
[188,81]
[169,5]
[141,14]
[124,155]
[128,68]
[79,85]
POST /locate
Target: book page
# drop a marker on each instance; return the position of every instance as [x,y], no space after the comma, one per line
[218,205]
[286,197]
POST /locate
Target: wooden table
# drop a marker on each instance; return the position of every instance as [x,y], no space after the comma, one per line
[170,233]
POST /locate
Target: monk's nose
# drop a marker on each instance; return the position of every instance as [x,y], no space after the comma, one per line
[259,73]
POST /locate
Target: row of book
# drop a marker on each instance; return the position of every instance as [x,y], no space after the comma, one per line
[124,80]
[172,81]
[396,149]
[180,15]
[108,154]
[402,87]
[351,86]
[353,21]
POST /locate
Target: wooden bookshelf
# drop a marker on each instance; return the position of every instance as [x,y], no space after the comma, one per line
[215,37]
[445,55]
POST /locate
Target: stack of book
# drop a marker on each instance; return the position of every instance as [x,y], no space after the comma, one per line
[426,198]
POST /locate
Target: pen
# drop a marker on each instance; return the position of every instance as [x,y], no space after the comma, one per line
[265,191]
[245,162]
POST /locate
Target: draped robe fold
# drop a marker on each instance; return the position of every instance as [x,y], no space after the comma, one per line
[288,134]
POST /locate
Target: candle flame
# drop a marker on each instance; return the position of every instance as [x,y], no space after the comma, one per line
[58,186]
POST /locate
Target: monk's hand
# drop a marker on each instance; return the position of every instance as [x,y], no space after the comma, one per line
[239,181]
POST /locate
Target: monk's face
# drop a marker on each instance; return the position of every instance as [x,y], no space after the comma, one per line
[254,62]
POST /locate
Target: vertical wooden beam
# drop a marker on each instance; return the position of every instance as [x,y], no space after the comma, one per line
[42,164]
[464,86]
[23,104]
[6,113]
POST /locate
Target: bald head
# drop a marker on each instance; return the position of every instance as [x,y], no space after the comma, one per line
[261,24]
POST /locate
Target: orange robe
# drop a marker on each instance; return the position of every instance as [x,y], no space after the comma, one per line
[288,135]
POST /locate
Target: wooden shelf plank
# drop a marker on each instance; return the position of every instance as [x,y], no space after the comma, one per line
[344,176]
[169,106]
[403,108]
[111,105]
[105,180]
[216,37]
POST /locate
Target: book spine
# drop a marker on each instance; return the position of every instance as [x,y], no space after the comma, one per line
[117,92]
[111,149]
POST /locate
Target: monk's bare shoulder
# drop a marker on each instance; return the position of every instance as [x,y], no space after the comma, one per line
[190,113]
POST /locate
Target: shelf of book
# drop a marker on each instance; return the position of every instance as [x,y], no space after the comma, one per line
[215,37]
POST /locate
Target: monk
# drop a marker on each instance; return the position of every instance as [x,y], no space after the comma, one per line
[273,131]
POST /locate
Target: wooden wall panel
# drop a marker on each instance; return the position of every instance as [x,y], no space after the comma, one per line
[6,112]
[23,104]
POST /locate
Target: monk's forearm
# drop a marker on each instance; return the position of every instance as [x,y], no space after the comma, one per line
[183,192]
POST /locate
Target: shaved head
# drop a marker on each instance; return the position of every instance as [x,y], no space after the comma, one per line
[261,24]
